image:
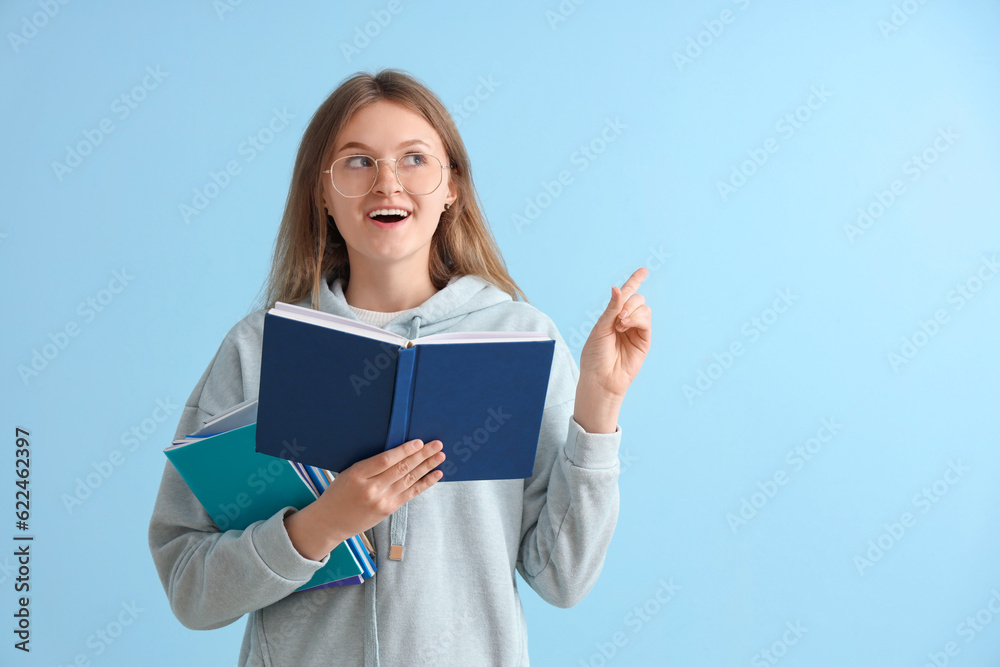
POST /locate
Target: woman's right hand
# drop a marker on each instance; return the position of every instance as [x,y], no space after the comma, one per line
[363,495]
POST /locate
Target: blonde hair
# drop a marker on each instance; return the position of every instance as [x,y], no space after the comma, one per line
[309,248]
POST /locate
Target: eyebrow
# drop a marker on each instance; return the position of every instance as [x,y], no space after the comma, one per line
[356,144]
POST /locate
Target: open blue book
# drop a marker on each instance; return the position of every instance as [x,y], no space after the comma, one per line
[334,391]
[238,486]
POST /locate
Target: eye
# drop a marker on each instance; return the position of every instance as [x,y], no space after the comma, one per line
[411,160]
[359,162]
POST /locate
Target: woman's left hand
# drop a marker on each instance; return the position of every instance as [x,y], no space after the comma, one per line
[618,344]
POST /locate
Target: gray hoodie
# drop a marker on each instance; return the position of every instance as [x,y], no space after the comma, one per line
[453,598]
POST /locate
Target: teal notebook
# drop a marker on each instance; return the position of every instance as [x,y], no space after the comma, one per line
[238,486]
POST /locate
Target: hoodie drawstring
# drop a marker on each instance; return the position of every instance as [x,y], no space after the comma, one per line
[371,628]
[397,539]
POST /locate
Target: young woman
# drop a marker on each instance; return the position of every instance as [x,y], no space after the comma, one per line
[382,224]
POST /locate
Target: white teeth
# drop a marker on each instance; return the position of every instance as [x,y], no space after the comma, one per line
[388,211]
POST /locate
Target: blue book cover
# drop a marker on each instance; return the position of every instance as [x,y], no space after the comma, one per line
[334,391]
[238,486]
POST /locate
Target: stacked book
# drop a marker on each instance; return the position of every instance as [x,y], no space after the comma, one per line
[238,486]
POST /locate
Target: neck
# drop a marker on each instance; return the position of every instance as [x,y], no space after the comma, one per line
[388,288]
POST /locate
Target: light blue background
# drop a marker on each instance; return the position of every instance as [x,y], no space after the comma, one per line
[650,197]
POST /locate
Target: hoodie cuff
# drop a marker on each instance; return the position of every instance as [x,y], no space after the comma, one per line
[275,548]
[592,450]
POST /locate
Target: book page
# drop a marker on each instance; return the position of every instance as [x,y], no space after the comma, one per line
[346,325]
[318,317]
[481,337]
[239,415]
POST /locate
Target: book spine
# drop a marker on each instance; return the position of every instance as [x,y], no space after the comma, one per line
[300,470]
[314,479]
[402,397]
[361,554]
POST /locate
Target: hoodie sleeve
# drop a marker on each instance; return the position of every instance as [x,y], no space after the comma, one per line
[571,501]
[212,578]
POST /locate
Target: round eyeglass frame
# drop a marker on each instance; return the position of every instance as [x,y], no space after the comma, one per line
[395,161]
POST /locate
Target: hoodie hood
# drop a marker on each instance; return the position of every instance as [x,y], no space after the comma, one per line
[461,296]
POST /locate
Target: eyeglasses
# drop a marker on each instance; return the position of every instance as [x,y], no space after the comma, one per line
[417,173]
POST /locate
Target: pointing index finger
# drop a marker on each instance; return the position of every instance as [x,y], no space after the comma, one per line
[631,285]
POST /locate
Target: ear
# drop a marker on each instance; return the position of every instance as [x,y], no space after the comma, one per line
[452,191]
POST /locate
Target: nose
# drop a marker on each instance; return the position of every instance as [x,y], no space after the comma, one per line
[385,180]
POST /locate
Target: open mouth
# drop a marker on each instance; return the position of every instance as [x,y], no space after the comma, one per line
[389,215]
